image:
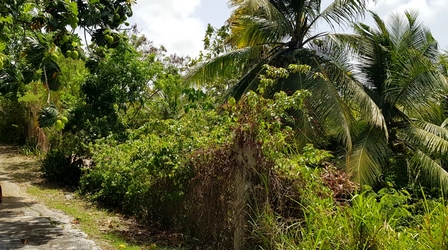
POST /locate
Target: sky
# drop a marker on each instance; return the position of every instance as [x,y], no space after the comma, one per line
[179,25]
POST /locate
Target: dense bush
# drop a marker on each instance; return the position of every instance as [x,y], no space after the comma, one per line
[148,174]
[13,122]
[203,171]
[62,167]
[237,178]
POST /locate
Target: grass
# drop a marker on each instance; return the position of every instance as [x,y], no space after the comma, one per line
[100,225]
[109,230]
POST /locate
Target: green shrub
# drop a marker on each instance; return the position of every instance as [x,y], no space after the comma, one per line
[13,122]
[237,181]
[149,174]
[192,172]
[62,167]
[234,180]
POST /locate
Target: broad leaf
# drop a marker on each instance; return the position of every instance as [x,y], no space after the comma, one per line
[48,116]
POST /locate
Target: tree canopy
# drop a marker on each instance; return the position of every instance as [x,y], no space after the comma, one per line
[35,33]
[280,135]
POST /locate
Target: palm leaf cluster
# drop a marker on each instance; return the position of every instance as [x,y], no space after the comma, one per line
[280,33]
[378,92]
[398,68]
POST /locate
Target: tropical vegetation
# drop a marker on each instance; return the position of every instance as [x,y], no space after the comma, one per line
[278,136]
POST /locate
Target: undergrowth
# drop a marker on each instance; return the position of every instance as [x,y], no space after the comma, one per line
[238,179]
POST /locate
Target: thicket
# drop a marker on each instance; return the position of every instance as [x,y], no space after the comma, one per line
[206,172]
[133,129]
[13,125]
[236,176]
[237,179]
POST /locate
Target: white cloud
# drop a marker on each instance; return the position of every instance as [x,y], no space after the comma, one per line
[431,13]
[170,23]
[179,25]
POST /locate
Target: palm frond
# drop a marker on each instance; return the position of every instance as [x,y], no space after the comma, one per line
[411,33]
[337,60]
[432,128]
[372,48]
[307,127]
[430,171]
[353,43]
[343,11]
[250,80]
[415,82]
[369,156]
[268,9]
[255,22]
[229,65]
[444,123]
[427,137]
[330,108]
[252,31]
[433,112]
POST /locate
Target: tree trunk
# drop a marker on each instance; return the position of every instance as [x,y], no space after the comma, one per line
[246,163]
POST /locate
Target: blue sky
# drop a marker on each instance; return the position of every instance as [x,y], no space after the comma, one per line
[180,25]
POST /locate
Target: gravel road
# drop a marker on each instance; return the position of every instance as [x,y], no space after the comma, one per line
[26,224]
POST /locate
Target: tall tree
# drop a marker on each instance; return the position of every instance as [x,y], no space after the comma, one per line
[283,32]
[34,34]
[399,71]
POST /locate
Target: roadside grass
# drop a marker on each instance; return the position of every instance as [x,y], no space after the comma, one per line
[109,230]
[100,225]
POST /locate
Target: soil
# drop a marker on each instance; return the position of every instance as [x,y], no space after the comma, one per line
[24,222]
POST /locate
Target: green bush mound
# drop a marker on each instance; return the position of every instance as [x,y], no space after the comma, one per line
[207,173]
[237,179]
[149,174]
[62,167]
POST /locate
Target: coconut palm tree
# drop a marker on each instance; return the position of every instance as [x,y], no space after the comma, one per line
[284,32]
[395,93]
[398,69]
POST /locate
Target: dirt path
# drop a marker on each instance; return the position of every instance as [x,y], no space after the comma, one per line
[26,224]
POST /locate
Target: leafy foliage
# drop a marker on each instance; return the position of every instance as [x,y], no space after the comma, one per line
[35,33]
[117,82]
[60,167]
[48,116]
[400,76]
[147,174]
[225,157]
[280,34]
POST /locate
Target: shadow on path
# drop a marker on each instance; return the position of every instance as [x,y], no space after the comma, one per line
[26,224]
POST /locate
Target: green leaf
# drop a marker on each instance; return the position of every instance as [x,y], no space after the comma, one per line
[73,7]
[430,171]
[2,46]
[29,97]
[28,7]
[368,156]
[7,19]
[48,116]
